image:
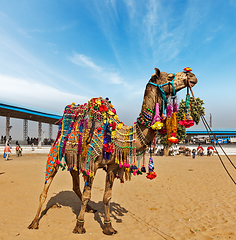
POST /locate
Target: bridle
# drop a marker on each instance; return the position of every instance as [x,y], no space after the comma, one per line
[141,136]
[163,94]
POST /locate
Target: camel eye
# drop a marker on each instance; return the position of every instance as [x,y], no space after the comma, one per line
[170,77]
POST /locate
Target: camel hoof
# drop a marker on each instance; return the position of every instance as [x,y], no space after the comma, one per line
[79,228]
[108,229]
[34,225]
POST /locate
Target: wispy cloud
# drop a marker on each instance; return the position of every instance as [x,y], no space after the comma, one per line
[209,39]
[167,34]
[83,61]
[131,8]
[21,62]
[111,76]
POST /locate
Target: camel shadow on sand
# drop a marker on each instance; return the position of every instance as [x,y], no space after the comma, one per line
[70,199]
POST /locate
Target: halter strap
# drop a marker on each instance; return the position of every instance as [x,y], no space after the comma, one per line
[163,94]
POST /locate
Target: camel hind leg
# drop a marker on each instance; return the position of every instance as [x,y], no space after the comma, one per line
[111,173]
[42,198]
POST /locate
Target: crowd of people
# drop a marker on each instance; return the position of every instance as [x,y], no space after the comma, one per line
[34,140]
[19,149]
[182,150]
[4,139]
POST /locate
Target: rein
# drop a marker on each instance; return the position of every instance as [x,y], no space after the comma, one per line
[209,131]
[163,94]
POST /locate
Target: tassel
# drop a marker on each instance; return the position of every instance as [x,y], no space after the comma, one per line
[133,167]
[143,169]
[151,174]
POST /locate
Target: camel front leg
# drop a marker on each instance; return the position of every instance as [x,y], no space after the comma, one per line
[111,173]
[42,198]
[79,227]
[76,188]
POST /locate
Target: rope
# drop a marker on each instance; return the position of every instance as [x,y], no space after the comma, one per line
[151,227]
[208,131]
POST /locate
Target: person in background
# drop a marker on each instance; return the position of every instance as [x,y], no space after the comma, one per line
[201,152]
[194,153]
[17,150]
[20,150]
[7,151]
[32,146]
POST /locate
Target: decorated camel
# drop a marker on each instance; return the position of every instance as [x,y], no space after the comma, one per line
[91,136]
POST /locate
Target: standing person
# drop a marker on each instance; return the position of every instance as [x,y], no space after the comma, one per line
[194,153]
[7,151]
[20,150]
[32,146]
[17,150]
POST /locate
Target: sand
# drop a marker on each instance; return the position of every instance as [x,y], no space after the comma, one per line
[190,199]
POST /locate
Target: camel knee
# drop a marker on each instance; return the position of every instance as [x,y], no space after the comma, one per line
[42,197]
[86,197]
[107,197]
[85,201]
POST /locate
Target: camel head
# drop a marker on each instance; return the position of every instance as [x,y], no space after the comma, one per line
[158,86]
[179,82]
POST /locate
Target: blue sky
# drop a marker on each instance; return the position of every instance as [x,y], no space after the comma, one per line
[57,52]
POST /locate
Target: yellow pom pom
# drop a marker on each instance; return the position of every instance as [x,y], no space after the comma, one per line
[113,134]
[110,112]
[98,102]
[116,118]
[157,125]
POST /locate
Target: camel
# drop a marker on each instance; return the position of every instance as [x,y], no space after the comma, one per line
[92,137]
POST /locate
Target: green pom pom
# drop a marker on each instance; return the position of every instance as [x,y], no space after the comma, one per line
[139,172]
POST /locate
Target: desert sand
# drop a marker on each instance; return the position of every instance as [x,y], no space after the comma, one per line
[190,199]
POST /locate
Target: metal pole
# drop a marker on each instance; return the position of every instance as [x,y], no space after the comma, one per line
[40,135]
[50,131]
[8,126]
[210,120]
[25,129]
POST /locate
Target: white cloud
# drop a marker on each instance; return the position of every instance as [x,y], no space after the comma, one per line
[83,61]
[131,8]
[29,93]
[110,75]
[208,39]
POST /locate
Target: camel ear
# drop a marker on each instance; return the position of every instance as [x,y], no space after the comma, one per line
[155,75]
[158,72]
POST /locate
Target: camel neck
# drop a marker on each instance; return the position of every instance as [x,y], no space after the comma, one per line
[152,96]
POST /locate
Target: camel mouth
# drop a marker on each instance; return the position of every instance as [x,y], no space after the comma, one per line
[193,82]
